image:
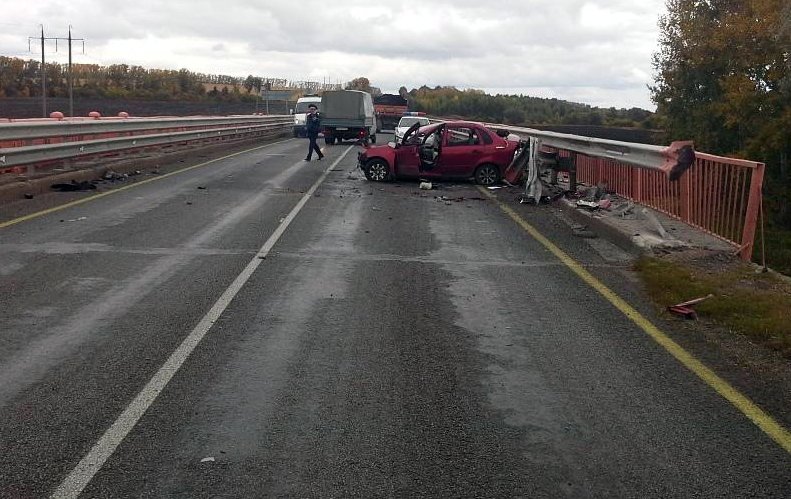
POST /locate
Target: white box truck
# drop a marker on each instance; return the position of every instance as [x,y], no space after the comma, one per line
[347,114]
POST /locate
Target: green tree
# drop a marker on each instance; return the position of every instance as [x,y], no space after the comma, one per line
[720,73]
[362,83]
[723,79]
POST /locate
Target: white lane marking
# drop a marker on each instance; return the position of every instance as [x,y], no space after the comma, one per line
[86,469]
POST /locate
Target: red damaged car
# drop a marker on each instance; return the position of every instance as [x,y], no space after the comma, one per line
[451,149]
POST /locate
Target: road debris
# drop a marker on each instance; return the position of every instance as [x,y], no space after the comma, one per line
[595,198]
[625,210]
[73,186]
[458,199]
[209,459]
[426,186]
[583,231]
[656,223]
[684,309]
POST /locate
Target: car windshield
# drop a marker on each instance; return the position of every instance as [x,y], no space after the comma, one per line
[302,107]
[409,121]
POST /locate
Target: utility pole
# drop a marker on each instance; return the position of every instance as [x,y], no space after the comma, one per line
[267,88]
[44,72]
[257,96]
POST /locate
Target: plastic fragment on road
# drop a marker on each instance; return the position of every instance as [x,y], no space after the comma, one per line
[209,459]
[426,186]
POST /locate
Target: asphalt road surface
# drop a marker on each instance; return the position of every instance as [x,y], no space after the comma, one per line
[261,326]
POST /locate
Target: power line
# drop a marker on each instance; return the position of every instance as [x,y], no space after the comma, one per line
[68,39]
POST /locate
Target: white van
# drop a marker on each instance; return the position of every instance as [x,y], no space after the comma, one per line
[300,110]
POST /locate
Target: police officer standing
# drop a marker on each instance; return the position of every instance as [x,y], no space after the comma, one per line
[312,127]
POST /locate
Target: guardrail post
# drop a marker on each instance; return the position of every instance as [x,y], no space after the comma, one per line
[751,217]
[573,171]
[686,198]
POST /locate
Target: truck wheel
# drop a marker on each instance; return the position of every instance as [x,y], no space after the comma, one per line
[328,140]
[338,140]
[377,170]
[296,134]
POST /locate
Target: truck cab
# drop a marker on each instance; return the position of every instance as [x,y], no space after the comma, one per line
[300,111]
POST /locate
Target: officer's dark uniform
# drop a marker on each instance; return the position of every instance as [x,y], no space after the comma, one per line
[312,128]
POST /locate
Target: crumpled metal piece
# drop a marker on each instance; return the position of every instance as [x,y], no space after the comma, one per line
[534,187]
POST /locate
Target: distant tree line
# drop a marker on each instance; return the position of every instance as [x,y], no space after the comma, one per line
[22,78]
[520,109]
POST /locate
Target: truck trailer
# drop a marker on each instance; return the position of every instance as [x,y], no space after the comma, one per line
[389,109]
[347,114]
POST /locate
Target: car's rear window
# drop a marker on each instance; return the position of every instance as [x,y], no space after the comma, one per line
[411,121]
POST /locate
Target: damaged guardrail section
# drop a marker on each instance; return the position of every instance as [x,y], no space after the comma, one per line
[37,143]
[719,195]
[672,160]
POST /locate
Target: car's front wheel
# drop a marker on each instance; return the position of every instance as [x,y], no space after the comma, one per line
[377,170]
[487,174]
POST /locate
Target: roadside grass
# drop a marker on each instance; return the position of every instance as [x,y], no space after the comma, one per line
[757,305]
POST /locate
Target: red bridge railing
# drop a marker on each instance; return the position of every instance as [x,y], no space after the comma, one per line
[718,195]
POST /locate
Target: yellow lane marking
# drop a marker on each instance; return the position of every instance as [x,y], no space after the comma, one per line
[761,419]
[120,189]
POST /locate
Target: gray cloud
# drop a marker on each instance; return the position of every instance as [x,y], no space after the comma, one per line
[597,49]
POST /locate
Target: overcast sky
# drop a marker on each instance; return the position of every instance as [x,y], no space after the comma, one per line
[592,51]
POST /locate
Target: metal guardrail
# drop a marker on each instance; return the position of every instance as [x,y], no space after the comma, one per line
[25,130]
[34,142]
[672,160]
